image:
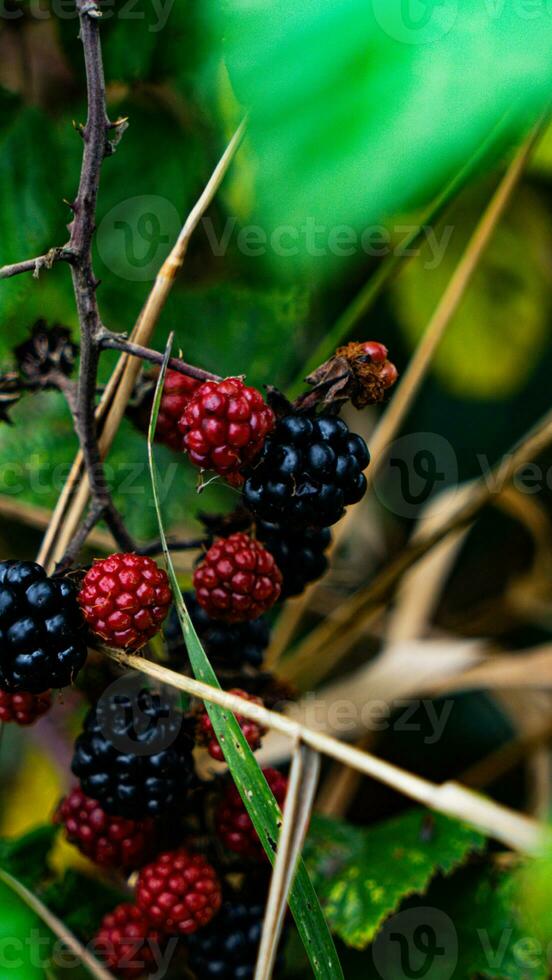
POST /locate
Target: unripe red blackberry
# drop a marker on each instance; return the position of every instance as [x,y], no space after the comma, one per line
[23,708]
[225,425]
[252,731]
[111,842]
[127,944]
[179,892]
[177,392]
[233,823]
[42,634]
[124,599]
[310,469]
[237,580]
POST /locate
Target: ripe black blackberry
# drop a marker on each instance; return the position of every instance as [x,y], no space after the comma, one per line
[310,469]
[228,645]
[134,755]
[227,949]
[299,555]
[42,632]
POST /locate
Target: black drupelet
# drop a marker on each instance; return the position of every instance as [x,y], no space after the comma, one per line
[310,469]
[42,633]
[134,754]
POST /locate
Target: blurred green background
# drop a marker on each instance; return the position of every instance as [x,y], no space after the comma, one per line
[356,126]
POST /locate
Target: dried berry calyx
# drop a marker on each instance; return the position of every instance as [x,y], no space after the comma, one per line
[10,393]
[49,350]
[360,372]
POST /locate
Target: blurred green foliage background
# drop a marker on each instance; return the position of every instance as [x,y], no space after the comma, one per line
[351,126]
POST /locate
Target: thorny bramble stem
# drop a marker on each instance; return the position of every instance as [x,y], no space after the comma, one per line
[96,146]
[118,342]
[36,265]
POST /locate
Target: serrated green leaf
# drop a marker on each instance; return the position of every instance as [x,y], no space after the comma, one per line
[250,781]
[362,875]
[26,857]
[363,110]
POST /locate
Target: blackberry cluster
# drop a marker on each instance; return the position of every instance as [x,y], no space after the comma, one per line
[124,599]
[300,555]
[224,426]
[42,634]
[228,645]
[127,944]
[111,842]
[177,392]
[23,708]
[310,469]
[179,892]
[227,950]
[134,755]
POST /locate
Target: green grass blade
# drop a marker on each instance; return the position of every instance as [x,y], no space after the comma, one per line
[250,782]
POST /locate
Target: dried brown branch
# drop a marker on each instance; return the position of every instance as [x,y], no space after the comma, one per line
[499,822]
[36,265]
[96,147]
[303,779]
[115,342]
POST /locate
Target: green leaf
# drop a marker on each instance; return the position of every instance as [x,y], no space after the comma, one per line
[22,938]
[250,782]
[28,201]
[493,940]
[358,113]
[81,902]
[26,858]
[501,328]
[362,876]
[534,881]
